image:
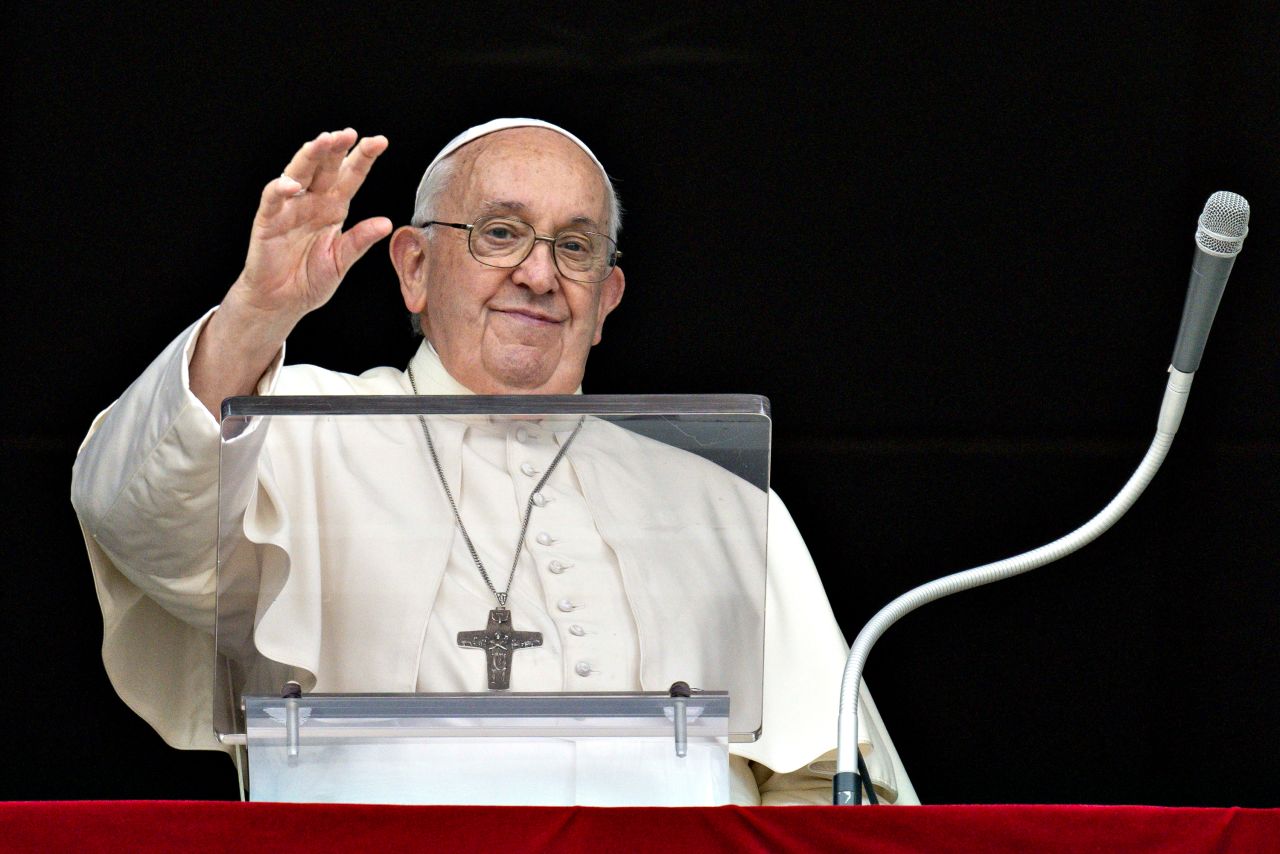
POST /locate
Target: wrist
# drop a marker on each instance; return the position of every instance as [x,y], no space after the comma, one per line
[254,332]
[236,347]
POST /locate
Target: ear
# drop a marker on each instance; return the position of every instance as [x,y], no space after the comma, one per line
[610,295]
[410,258]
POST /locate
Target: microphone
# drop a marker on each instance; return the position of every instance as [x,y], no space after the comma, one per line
[1220,234]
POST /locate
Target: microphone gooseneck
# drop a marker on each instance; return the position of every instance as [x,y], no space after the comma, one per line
[1222,229]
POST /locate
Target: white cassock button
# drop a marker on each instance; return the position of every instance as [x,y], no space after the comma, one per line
[557,567]
[577,631]
[528,469]
[565,605]
[544,539]
[582,668]
[539,499]
[522,435]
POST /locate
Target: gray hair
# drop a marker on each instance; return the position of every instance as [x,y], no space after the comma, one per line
[426,206]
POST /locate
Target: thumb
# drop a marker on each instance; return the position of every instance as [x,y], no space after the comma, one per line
[356,240]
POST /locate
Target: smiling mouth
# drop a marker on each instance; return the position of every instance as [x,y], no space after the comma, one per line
[527,316]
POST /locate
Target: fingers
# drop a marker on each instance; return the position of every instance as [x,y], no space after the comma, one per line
[274,196]
[356,241]
[324,153]
[356,166]
[330,153]
[333,159]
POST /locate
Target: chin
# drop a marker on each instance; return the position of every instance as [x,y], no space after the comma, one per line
[520,374]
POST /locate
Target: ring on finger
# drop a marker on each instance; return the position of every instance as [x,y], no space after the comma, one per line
[301,192]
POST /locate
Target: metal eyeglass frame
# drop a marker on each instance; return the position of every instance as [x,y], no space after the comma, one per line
[611,259]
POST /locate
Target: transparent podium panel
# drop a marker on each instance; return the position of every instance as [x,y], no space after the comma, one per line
[509,749]
[492,546]
[489,547]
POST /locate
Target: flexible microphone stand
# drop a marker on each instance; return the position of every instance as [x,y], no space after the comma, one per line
[1222,229]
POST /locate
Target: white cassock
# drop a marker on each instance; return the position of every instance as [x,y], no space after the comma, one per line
[616,602]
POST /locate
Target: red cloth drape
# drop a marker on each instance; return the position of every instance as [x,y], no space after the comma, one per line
[223,826]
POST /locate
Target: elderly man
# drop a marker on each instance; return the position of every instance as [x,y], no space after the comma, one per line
[509,270]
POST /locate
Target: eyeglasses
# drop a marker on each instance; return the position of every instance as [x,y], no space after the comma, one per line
[500,241]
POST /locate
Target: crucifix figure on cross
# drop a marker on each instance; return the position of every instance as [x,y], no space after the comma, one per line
[499,640]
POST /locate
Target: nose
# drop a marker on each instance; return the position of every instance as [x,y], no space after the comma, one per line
[538,271]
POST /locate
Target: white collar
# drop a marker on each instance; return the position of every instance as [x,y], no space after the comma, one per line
[432,376]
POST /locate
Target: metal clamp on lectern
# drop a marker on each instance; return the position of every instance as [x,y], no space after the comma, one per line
[291,694]
[680,694]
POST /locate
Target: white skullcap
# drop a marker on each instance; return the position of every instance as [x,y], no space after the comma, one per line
[472,134]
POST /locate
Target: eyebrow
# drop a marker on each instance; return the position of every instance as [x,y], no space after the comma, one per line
[506,206]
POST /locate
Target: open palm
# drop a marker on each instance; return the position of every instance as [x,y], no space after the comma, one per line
[298,253]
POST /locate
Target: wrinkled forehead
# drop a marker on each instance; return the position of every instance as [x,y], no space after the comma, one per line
[530,173]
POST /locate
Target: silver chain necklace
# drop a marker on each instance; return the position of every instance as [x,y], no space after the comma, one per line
[498,639]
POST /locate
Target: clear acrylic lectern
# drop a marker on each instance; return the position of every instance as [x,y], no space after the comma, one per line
[349,602]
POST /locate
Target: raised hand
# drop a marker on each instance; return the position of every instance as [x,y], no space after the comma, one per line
[298,252]
[298,255]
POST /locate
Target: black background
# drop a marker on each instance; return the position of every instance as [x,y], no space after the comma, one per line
[951,247]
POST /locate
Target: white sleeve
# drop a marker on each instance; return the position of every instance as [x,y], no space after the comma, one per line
[145,487]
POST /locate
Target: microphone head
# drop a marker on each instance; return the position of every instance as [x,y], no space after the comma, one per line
[1223,225]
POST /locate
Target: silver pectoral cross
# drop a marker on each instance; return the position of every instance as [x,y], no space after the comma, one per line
[498,641]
